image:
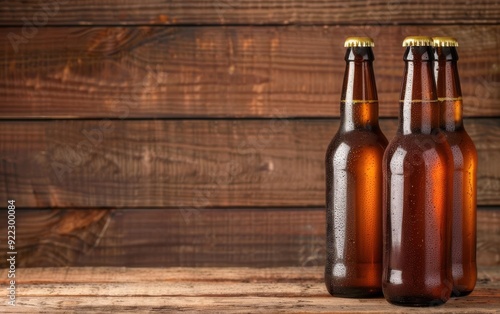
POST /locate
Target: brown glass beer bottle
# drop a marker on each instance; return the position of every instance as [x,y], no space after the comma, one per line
[354,182]
[463,240]
[417,169]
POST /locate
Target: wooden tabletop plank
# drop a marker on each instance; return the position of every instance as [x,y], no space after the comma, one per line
[196,72]
[172,289]
[481,301]
[221,12]
[477,303]
[138,293]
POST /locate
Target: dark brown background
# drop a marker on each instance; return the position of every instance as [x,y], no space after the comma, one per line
[192,133]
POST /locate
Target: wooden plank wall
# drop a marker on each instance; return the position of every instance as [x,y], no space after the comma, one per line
[192,133]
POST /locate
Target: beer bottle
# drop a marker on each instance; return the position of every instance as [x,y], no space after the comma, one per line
[417,169]
[354,182]
[463,243]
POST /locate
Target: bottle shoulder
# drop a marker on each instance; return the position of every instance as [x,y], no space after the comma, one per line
[354,152]
[426,147]
[358,140]
[463,150]
[460,140]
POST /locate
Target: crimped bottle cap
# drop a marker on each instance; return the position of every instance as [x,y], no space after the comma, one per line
[418,41]
[445,42]
[359,42]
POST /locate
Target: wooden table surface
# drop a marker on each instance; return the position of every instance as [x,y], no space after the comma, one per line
[210,290]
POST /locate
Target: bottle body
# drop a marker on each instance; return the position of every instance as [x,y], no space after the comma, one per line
[353,166]
[354,214]
[416,221]
[417,171]
[463,246]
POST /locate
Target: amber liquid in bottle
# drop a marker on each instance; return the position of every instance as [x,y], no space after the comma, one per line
[417,171]
[463,245]
[354,185]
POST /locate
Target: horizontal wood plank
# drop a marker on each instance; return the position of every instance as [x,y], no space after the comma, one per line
[153,72]
[483,301]
[220,12]
[272,237]
[83,275]
[78,292]
[187,163]
[142,275]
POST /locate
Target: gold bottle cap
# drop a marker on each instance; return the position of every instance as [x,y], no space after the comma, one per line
[445,42]
[417,41]
[359,42]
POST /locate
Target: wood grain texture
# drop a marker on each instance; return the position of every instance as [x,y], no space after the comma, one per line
[85,12]
[80,290]
[141,275]
[187,163]
[77,275]
[153,72]
[57,236]
[266,237]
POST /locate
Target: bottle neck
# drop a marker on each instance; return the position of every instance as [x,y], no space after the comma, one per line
[448,89]
[359,100]
[419,110]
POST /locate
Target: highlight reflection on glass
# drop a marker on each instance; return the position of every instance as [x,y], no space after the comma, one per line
[397,196]
[339,210]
